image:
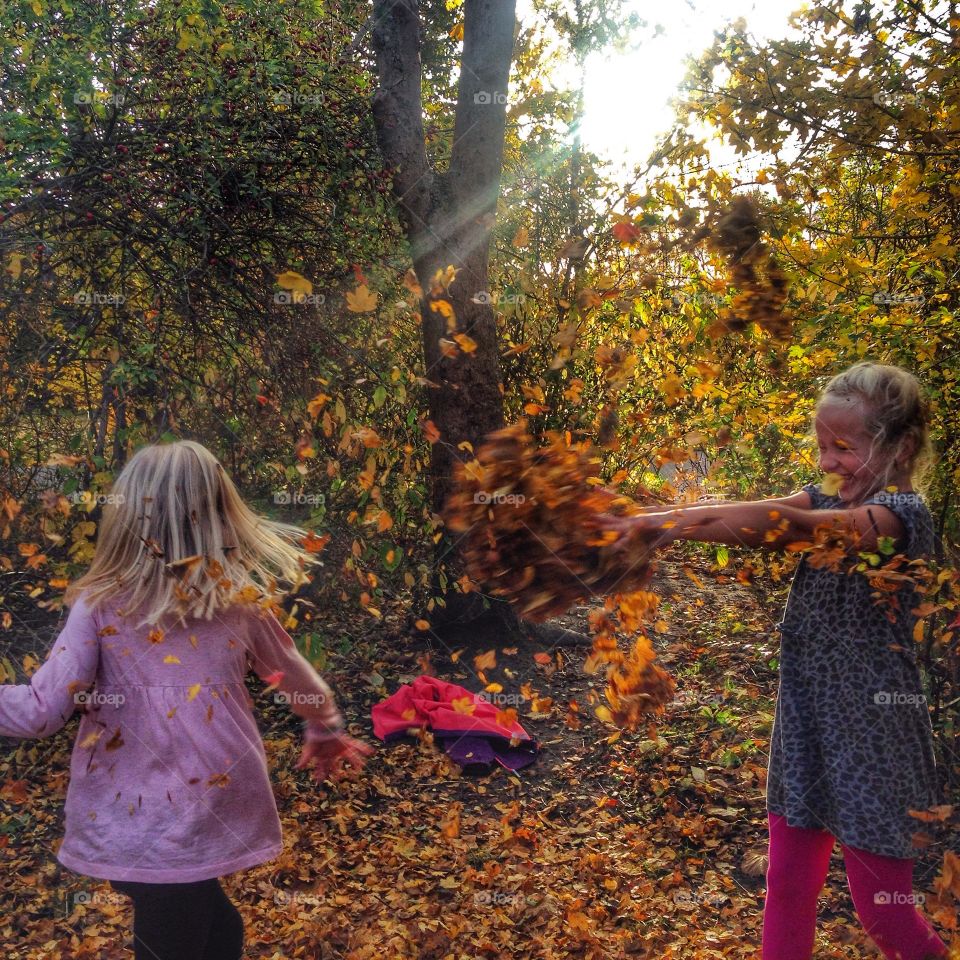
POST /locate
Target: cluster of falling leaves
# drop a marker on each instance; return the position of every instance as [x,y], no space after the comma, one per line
[752,268]
[895,579]
[538,530]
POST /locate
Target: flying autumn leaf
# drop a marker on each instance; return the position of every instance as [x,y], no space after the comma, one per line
[361,300]
[467,344]
[626,232]
[430,431]
[368,436]
[313,543]
[443,307]
[317,404]
[831,484]
[412,284]
[297,284]
[485,661]
[14,264]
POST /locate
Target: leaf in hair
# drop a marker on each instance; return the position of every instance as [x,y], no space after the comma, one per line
[186,565]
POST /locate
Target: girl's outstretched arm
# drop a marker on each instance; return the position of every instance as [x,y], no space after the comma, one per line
[760,523]
[327,746]
[275,658]
[61,684]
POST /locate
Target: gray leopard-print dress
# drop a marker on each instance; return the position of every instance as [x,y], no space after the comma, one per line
[852,746]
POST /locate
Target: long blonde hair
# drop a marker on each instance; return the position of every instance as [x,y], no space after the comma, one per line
[177,540]
[897,414]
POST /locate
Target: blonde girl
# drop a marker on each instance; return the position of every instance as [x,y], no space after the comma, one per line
[169,788]
[851,748]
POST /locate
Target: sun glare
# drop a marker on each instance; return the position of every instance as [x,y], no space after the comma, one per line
[628,95]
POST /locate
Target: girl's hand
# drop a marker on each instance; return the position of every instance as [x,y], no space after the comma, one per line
[329,756]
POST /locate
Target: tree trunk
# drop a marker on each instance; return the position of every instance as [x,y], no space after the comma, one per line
[449,217]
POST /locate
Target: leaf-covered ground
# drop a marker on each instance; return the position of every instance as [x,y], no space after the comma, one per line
[646,845]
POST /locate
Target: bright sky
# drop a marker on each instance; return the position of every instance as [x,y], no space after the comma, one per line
[627,94]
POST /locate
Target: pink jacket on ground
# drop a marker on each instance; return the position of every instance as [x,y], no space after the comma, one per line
[168,776]
[429,701]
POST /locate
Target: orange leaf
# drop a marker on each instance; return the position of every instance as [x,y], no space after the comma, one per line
[626,232]
[485,661]
[314,544]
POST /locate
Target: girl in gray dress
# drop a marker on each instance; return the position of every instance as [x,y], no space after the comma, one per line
[851,748]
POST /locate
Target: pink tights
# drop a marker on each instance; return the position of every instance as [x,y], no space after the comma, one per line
[881,887]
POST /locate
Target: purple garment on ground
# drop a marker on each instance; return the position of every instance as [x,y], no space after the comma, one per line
[467,750]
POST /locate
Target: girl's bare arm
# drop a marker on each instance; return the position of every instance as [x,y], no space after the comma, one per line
[764,523]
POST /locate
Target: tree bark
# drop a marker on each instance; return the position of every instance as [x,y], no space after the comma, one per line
[448,218]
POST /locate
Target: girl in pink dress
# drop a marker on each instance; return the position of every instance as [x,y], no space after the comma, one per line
[169,788]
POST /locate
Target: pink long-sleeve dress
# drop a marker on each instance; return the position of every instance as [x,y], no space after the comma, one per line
[168,776]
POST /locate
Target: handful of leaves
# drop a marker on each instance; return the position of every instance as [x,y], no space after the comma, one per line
[538,529]
[537,522]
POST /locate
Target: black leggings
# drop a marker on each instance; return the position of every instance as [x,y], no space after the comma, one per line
[183,921]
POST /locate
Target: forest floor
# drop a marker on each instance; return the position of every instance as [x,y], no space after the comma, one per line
[646,845]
